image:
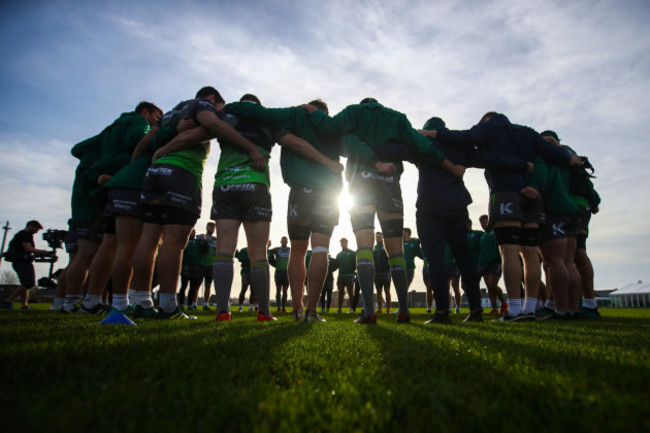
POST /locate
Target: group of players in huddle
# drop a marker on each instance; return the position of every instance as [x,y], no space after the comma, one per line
[137,196]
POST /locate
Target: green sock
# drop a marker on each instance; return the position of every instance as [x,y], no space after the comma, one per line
[366,274]
[223,274]
[398,274]
[260,283]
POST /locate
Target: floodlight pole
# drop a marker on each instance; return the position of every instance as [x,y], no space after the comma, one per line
[6,228]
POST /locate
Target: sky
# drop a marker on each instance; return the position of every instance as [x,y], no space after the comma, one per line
[581,68]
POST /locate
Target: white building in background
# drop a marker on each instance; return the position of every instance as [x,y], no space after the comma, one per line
[635,295]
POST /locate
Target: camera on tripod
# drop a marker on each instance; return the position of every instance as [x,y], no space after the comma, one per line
[54,239]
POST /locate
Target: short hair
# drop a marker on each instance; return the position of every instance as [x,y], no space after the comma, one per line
[379,233]
[368,100]
[320,104]
[34,223]
[483,217]
[343,239]
[406,229]
[149,106]
[434,123]
[549,133]
[487,116]
[250,97]
[209,91]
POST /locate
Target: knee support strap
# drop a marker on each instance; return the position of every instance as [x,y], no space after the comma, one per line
[508,235]
[582,241]
[392,228]
[363,221]
[529,236]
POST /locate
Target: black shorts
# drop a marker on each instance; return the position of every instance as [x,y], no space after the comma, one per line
[345,280]
[559,227]
[315,208]
[383,192]
[168,185]
[246,277]
[489,269]
[242,202]
[585,218]
[510,205]
[382,279]
[124,202]
[208,272]
[453,272]
[425,274]
[192,272]
[164,215]
[281,278]
[90,230]
[26,275]
[70,241]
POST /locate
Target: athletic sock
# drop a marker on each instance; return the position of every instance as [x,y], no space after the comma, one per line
[168,302]
[132,297]
[144,299]
[398,274]
[529,305]
[514,307]
[58,303]
[550,305]
[120,302]
[494,306]
[92,300]
[71,301]
[260,284]
[223,275]
[589,303]
[366,274]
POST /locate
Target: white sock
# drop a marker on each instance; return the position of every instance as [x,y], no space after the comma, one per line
[590,303]
[144,299]
[168,302]
[529,305]
[514,307]
[561,313]
[550,305]
[132,297]
[92,300]
[120,302]
[58,303]
[71,301]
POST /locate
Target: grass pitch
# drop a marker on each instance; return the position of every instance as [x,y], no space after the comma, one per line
[67,373]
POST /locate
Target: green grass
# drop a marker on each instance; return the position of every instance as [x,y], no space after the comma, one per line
[66,373]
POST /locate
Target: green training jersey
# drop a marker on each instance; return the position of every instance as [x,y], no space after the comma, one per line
[489,249]
[192,160]
[412,249]
[279,258]
[347,262]
[474,241]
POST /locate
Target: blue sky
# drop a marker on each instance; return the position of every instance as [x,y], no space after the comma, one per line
[582,68]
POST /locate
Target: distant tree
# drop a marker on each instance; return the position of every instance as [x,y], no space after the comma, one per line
[8,277]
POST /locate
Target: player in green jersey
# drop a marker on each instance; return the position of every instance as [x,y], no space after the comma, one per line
[100,158]
[171,193]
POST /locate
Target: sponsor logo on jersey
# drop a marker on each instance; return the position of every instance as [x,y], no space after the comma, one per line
[369,175]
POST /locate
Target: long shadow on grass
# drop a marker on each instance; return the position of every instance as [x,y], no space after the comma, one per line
[156,371]
[468,375]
